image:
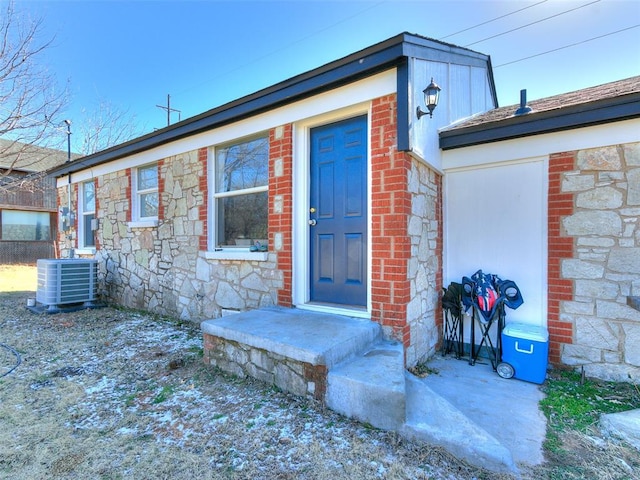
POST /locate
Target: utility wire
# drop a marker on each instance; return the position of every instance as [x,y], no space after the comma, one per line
[492,20]
[532,23]
[566,46]
[286,46]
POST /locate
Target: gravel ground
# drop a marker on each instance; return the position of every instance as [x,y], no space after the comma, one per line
[111,393]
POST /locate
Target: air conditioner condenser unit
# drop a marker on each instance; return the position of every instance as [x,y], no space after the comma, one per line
[67,282]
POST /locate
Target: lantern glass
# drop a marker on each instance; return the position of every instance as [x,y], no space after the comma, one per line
[431,95]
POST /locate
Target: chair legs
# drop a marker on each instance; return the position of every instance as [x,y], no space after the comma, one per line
[452,338]
[495,351]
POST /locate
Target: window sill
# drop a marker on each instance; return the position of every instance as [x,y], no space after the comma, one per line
[143,224]
[237,254]
[85,251]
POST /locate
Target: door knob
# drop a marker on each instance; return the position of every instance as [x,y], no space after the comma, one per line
[313,222]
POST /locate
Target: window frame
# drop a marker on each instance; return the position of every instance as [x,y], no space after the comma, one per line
[83,213]
[137,193]
[213,218]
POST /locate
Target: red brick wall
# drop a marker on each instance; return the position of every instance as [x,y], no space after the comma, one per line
[203,155]
[97,206]
[390,210]
[281,150]
[127,173]
[161,186]
[560,247]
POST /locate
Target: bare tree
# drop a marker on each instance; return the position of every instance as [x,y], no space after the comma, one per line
[30,102]
[33,133]
[105,127]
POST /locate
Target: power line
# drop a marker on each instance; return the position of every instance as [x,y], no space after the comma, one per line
[533,23]
[269,54]
[169,110]
[288,45]
[492,20]
[566,46]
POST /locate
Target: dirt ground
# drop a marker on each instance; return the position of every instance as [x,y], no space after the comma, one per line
[116,394]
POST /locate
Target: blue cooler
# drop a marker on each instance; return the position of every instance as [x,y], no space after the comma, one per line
[526,348]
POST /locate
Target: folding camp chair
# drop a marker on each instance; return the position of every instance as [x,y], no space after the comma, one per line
[487,295]
[452,333]
[495,351]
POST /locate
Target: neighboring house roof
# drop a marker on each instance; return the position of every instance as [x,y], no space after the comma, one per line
[610,102]
[29,158]
[365,63]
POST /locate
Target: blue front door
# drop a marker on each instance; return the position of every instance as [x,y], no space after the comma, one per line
[338,213]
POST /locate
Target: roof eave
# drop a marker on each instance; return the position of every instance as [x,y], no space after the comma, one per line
[383,56]
[349,69]
[577,116]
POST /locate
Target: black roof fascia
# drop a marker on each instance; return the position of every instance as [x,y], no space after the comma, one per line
[356,66]
[577,116]
[402,115]
[390,53]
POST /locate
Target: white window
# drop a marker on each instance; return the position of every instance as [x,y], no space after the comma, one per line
[240,183]
[145,197]
[86,238]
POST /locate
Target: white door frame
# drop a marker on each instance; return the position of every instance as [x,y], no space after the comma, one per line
[300,225]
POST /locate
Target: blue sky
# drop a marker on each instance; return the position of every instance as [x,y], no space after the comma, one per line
[206,53]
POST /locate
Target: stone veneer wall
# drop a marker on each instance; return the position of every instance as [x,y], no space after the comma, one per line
[163,268]
[425,277]
[166,268]
[67,240]
[600,266]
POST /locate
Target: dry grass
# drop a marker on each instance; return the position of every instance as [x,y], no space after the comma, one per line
[116,394]
[18,278]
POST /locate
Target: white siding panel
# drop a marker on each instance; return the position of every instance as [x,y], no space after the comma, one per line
[461,85]
[495,220]
[424,132]
[464,92]
[481,99]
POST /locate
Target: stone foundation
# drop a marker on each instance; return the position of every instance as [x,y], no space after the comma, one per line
[294,376]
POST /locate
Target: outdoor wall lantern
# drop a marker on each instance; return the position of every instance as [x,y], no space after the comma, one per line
[431,97]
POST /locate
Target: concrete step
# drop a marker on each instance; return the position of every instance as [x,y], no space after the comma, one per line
[371,386]
[375,388]
[506,408]
[301,335]
[434,420]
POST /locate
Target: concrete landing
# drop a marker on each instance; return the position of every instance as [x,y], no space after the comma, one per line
[469,410]
[507,409]
[310,337]
[432,419]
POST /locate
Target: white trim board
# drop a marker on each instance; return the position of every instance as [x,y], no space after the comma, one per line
[614,133]
[365,90]
[300,239]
